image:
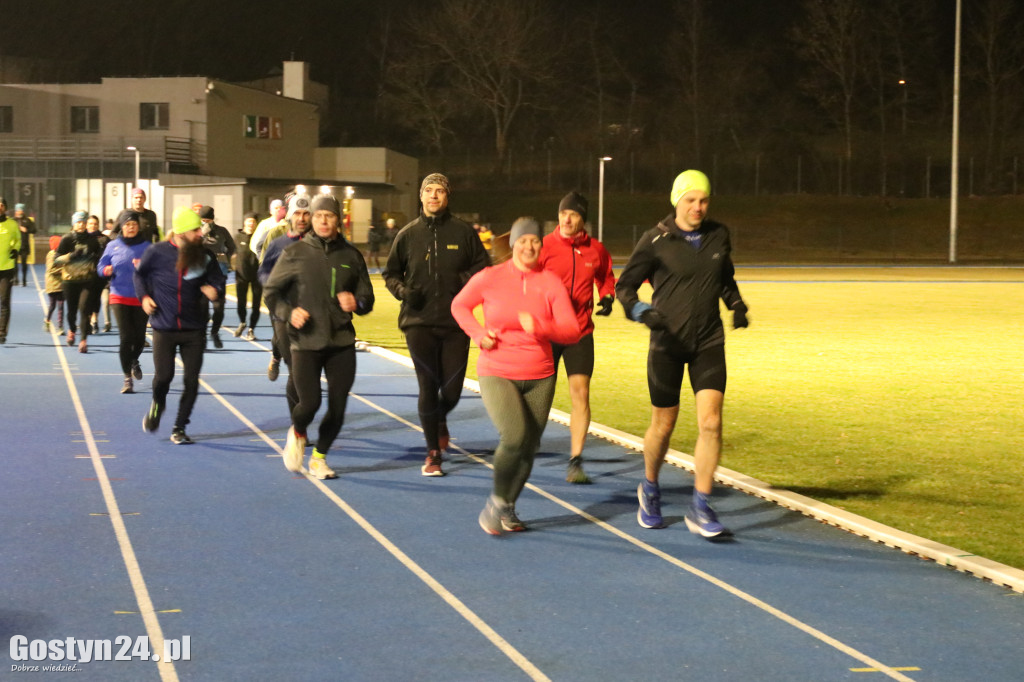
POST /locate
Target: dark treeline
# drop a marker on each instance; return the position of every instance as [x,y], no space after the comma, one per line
[825,96]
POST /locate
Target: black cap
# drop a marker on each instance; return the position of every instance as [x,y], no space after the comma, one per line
[206,213]
[574,201]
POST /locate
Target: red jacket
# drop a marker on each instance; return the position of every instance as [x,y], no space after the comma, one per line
[580,262]
[504,291]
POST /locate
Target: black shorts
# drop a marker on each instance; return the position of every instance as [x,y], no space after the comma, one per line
[579,357]
[665,372]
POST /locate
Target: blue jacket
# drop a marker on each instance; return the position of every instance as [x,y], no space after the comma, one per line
[121,256]
[181,305]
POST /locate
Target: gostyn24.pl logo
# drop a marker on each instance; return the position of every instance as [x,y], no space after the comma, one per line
[70,652]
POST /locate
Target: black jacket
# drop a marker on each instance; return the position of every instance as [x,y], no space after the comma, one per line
[687,282]
[434,256]
[246,262]
[310,274]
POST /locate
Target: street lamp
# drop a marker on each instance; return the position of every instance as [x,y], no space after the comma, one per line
[600,201]
[136,150]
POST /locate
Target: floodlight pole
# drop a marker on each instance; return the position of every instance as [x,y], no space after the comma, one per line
[954,180]
[136,150]
[600,200]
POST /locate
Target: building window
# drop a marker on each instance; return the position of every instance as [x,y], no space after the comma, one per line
[85,119]
[154,116]
[6,119]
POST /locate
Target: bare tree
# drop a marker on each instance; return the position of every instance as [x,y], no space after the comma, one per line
[997,61]
[831,37]
[494,54]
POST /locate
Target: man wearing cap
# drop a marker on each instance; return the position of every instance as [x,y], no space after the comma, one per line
[278,212]
[10,246]
[431,260]
[27,226]
[246,281]
[217,240]
[299,220]
[148,228]
[687,259]
[174,280]
[316,286]
[581,261]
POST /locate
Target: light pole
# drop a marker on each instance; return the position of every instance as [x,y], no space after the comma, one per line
[600,201]
[136,150]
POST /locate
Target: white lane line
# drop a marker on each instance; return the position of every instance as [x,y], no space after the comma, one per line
[749,598]
[460,607]
[149,614]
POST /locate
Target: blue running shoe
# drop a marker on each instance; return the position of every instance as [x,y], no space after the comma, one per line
[701,520]
[649,513]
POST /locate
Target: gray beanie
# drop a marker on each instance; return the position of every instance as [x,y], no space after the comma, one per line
[325,202]
[436,179]
[523,226]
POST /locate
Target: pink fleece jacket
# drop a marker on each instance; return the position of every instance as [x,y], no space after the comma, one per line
[504,291]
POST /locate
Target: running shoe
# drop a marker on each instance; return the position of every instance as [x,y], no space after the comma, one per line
[432,464]
[294,450]
[217,343]
[179,437]
[274,369]
[318,468]
[129,386]
[575,473]
[136,371]
[83,346]
[106,328]
[250,335]
[509,520]
[151,422]
[46,326]
[701,520]
[490,517]
[238,330]
[71,338]
[649,513]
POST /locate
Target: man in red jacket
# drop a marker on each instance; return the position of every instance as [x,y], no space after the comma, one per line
[581,262]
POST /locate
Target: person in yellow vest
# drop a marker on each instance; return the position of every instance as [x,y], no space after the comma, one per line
[10,246]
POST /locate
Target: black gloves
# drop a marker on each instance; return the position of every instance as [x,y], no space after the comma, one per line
[739,316]
[414,298]
[14,254]
[605,305]
[654,319]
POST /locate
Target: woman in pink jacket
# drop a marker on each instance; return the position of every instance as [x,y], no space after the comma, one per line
[525,308]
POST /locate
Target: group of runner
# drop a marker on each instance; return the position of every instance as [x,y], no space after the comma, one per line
[537,313]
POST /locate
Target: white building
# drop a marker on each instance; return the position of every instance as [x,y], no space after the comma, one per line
[82,146]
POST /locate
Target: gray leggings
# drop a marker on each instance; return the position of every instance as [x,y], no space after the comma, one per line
[519,410]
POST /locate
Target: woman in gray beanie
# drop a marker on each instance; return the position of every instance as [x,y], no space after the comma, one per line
[526,308]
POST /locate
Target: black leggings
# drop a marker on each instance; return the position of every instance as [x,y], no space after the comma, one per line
[56,304]
[23,258]
[242,287]
[131,326]
[166,344]
[338,365]
[439,355]
[77,296]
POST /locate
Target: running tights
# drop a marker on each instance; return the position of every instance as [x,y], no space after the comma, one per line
[439,355]
[338,365]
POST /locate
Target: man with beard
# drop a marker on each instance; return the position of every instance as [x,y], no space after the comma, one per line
[298,221]
[432,259]
[318,285]
[174,281]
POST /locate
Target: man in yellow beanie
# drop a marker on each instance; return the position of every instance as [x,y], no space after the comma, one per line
[175,281]
[687,259]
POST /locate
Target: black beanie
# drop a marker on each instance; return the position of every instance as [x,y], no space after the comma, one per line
[325,202]
[574,201]
[206,213]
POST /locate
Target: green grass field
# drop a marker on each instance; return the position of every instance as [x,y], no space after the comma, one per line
[897,394]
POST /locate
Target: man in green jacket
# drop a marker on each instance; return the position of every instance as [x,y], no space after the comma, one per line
[317,285]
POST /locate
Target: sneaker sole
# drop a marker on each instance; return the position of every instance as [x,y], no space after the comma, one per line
[490,530]
[697,530]
[433,474]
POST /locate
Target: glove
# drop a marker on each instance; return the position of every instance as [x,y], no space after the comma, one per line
[739,316]
[654,319]
[14,254]
[414,298]
[605,305]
